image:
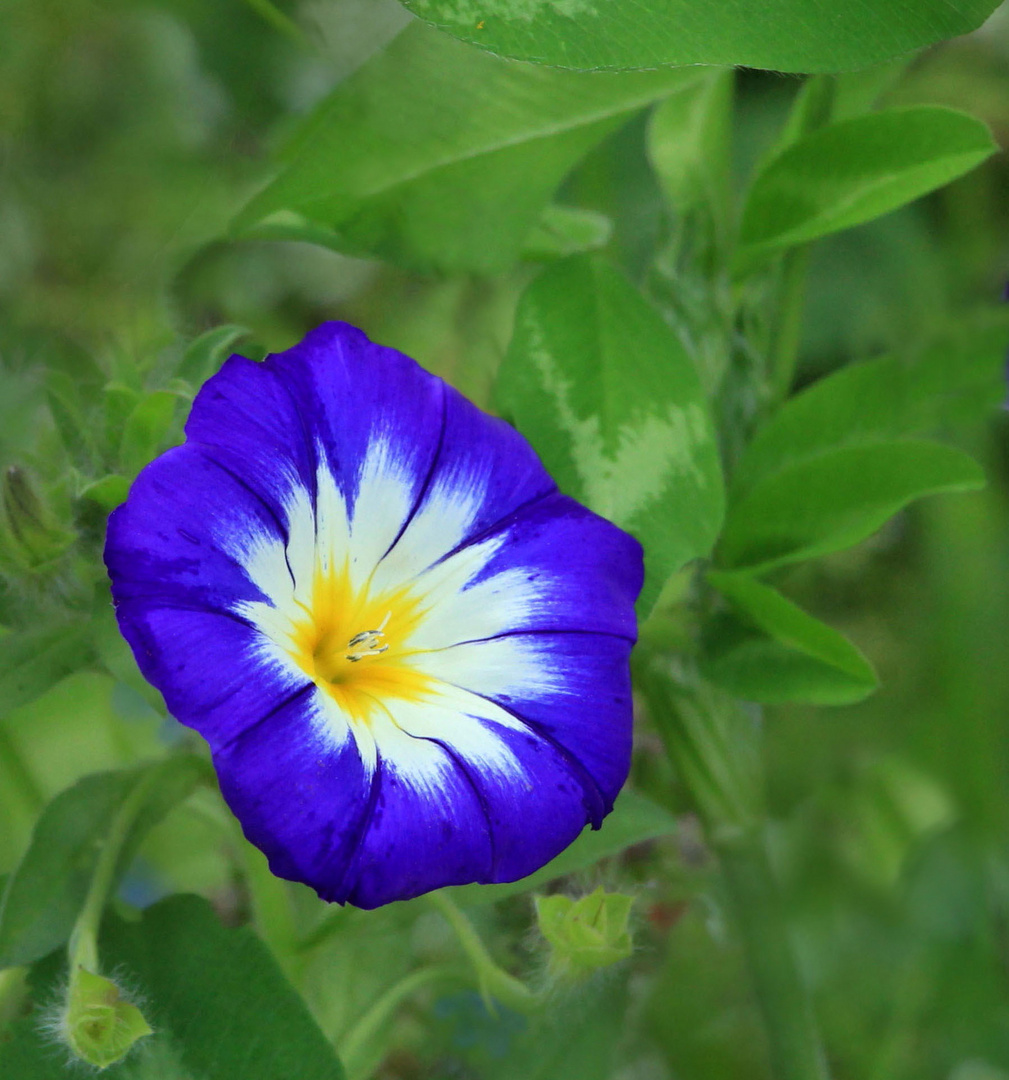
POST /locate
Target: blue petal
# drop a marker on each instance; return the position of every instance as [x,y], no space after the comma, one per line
[208,667]
[181,533]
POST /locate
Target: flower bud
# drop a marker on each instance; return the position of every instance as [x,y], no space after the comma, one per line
[100,1025]
[31,526]
[585,934]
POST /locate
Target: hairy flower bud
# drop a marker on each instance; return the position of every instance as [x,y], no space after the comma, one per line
[99,1025]
[585,934]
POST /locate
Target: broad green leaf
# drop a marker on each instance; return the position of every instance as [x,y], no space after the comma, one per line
[219,1005]
[781,35]
[31,663]
[775,652]
[855,170]
[205,354]
[884,399]
[440,156]
[837,498]
[634,820]
[146,429]
[610,399]
[44,894]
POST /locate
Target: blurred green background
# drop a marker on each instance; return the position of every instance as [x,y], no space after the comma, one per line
[129,135]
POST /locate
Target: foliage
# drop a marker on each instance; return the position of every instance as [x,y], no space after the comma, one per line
[754,320]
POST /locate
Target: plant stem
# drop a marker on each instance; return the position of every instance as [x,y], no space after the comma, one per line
[793,1039]
[280,22]
[352,1048]
[785,348]
[712,742]
[494,981]
[83,947]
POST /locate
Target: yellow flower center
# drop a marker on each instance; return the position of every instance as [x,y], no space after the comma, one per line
[353,644]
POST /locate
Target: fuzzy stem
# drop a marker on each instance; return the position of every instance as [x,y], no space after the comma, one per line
[83,947]
[352,1048]
[494,981]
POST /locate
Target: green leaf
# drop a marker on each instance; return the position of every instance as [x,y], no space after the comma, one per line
[566,230]
[439,156]
[205,354]
[46,891]
[119,401]
[883,399]
[608,396]
[217,1001]
[31,663]
[855,170]
[777,653]
[634,820]
[834,500]
[64,400]
[147,429]
[108,492]
[781,35]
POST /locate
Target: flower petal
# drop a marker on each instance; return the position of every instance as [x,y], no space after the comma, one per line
[571,689]
[187,533]
[551,566]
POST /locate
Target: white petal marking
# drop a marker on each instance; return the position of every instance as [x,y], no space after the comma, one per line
[441,523]
[506,666]
[455,710]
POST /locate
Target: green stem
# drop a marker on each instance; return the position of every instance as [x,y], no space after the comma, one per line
[793,1039]
[494,981]
[332,924]
[711,742]
[83,947]
[785,348]
[353,1047]
[280,22]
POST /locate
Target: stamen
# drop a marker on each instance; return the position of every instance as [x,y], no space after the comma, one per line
[370,640]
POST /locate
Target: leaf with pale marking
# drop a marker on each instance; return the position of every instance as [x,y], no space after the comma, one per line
[610,399]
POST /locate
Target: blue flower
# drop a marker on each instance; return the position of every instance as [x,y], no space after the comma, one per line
[407,650]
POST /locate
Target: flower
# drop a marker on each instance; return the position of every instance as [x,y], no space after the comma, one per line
[407,650]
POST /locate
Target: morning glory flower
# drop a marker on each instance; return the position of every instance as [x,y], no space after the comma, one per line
[407,650]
